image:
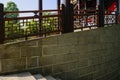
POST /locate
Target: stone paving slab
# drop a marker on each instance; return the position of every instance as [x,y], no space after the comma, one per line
[26,76]
[50,78]
[39,77]
[20,76]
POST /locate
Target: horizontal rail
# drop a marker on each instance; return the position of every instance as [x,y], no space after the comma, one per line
[31,17]
[32,11]
[37,25]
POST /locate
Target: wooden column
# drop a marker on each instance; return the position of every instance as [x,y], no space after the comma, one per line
[101,13]
[58,4]
[68,17]
[40,16]
[58,7]
[2,24]
[118,6]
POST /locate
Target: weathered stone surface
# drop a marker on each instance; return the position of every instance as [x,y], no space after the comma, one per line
[30,43]
[20,76]
[47,70]
[30,51]
[56,50]
[10,51]
[67,39]
[50,78]
[32,62]
[50,41]
[83,55]
[38,76]
[9,65]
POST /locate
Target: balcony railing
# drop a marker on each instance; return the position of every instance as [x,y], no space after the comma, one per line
[31,24]
[85,19]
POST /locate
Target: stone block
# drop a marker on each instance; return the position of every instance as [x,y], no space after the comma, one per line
[72,75]
[38,76]
[56,50]
[86,77]
[30,43]
[49,50]
[93,47]
[50,41]
[32,62]
[59,68]
[10,51]
[95,60]
[58,59]
[47,60]
[31,51]
[0,67]
[81,47]
[88,39]
[61,75]
[20,76]
[71,57]
[67,39]
[11,65]
[71,65]
[83,62]
[96,53]
[108,37]
[64,67]
[47,70]
[50,78]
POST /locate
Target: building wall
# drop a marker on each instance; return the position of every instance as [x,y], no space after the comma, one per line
[88,55]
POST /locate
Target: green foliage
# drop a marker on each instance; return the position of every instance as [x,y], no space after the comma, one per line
[49,23]
[11,6]
[11,29]
[32,28]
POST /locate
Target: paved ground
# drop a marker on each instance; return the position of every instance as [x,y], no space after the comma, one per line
[26,76]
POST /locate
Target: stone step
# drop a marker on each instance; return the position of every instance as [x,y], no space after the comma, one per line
[58,79]
[50,78]
[20,76]
[26,76]
[39,77]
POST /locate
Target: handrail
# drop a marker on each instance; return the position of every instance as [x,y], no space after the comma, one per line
[31,11]
[30,17]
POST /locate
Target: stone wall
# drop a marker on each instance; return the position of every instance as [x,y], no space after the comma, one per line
[88,55]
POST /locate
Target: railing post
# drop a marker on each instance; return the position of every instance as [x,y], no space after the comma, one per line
[101,13]
[118,6]
[40,17]
[63,18]
[2,24]
[118,11]
[67,17]
[58,7]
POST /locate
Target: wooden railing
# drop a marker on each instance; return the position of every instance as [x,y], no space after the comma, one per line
[47,22]
[21,27]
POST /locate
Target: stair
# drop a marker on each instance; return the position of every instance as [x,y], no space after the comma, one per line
[26,76]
